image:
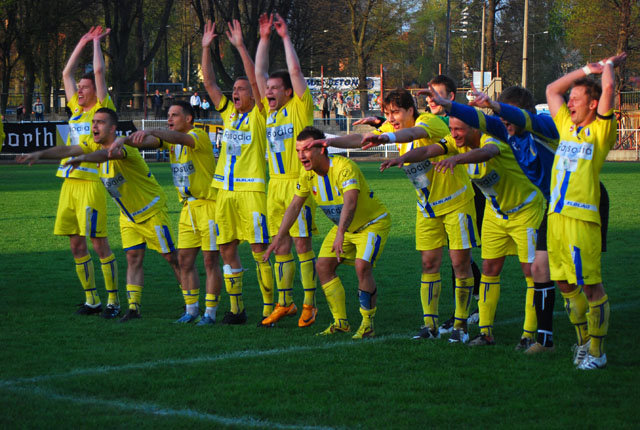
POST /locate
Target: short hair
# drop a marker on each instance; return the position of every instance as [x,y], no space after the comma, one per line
[448,83]
[518,96]
[186,107]
[403,99]
[310,132]
[113,116]
[591,88]
[90,76]
[284,75]
[243,78]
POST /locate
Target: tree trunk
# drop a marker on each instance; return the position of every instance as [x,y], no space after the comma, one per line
[490,36]
[624,9]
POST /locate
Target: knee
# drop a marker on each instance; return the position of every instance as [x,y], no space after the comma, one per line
[430,265]
[78,245]
[134,259]
[211,259]
[490,268]
[325,270]
[101,246]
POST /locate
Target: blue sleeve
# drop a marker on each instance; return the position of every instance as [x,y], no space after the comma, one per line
[541,125]
[491,125]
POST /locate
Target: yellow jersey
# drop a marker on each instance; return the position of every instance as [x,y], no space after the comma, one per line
[241,165]
[502,181]
[438,193]
[575,175]
[130,183]
[328,190]
[192,168]
[80,132]
[283,127]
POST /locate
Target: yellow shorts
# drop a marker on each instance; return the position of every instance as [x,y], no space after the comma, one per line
[153,232]
[280,195]
[242,215]
[197,226]
[574,249]
[82,209]
[514,236]
[366,244]
[457,228]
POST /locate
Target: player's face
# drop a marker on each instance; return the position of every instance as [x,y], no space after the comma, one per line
[277,95]
[399,117]
[86,93]
[512,129]
[581,107]
[242,96]
[460,132]
[310,158]
[102,128]
[177,120]
[441,89]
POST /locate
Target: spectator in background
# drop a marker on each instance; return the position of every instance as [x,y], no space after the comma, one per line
[157,104]
[20,112]
[325,105]
[195,104]
[167,101]
[205,108]
[38,109]
[341,112]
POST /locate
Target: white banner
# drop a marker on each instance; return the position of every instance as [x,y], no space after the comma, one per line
[341,84]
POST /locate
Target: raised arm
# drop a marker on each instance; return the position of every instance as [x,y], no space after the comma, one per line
[298,82]
[68,79]
[606,102]
[235,37]
[262,53]
[208,75]
[98,63]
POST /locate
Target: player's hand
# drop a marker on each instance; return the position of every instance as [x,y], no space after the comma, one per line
[616,59]
[28,158]
[480,99]
[87,37]
[390,163]
[435,97]
[337,245]
[115,149]
[447,164]
[235,34]
[209,34]
[265,22]
[281,26]
[271,248]
[373,121]
[99,35]
[317,143]
[136,137]
[74,162]
[370,140]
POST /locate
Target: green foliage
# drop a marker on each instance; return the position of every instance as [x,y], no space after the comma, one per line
[85,372]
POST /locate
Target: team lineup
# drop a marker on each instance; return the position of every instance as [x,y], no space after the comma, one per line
[512,183]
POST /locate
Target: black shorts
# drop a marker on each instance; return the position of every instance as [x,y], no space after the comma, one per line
[541,243]
[604,215]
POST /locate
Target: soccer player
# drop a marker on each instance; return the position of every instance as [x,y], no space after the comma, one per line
[362,227]
[192,165]
[82,206]
[144,217]
[587,129]
[290,110]
[445,211]
[240,176]
[516,205]
[533,140]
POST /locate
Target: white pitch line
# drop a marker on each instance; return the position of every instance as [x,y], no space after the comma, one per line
[153,409]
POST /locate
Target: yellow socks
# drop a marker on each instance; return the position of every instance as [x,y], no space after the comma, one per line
[430,285]
[134,294]
[211,302]
[109,268]
[598,322]
[285,269]
[265,282]
[191,300]
[334,291]
[575,303]
[308,277]
[84,269]
[488,302]
[530,319]
[463,291]
[233,285]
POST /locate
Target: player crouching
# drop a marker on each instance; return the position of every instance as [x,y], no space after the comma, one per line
[362,227]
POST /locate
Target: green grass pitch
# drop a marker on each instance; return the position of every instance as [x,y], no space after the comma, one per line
[62,370]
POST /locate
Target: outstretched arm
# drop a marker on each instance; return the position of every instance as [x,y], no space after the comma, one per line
[98,63]
[399,136]
[235,37]
[478,155]
[55,153]
[208,74]
[290,216]
[262,53]
[69,81]
[415,155]
[293,64]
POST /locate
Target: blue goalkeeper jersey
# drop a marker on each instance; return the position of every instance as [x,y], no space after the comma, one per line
[534,149]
